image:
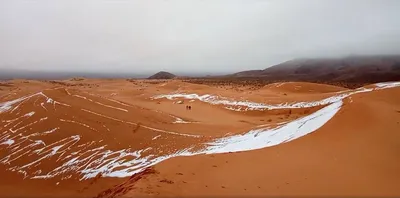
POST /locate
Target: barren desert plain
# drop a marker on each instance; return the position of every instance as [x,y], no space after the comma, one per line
[132,138]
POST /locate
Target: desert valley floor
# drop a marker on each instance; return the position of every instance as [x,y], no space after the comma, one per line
[118,137]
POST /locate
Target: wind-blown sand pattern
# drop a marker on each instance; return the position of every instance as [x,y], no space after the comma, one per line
[62,134]
[77,157]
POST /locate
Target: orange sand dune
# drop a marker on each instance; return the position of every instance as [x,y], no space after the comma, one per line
[294,91]
[346,157]
[94,137]
[303,87]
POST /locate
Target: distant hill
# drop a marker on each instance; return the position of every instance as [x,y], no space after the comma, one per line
[357,69]
[162,75]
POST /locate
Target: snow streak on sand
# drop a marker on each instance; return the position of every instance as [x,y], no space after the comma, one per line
[99,103]
[247,105]
[110,99]
[154,138]
[89,159]
[261,138]
[78,123]
[179,120]
[255,139]
[387,85]
[8,142]
[6,106]
[144,126]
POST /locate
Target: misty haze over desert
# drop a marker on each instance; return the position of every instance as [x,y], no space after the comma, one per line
[190,36]
[199,98]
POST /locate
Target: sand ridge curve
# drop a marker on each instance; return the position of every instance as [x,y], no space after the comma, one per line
[89,159]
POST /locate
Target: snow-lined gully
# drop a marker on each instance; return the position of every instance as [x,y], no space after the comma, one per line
[40,140]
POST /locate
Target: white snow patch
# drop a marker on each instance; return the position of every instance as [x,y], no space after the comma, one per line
[261,138]
[178,102]
[387,85]
[6,106]
[180,121]
[29,114]
[154,138]
[8,142]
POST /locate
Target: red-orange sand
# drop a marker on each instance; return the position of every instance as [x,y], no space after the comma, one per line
[356,153]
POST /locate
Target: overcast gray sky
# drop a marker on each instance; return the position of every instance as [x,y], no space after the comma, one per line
[190,35]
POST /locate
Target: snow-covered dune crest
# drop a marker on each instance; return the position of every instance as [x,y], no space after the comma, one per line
[254,139]
[248,105]
[261,138]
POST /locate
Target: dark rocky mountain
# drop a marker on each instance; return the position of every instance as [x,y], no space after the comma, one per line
[355,69]
[162,75]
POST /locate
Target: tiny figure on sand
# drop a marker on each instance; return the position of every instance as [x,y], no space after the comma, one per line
[136,128]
